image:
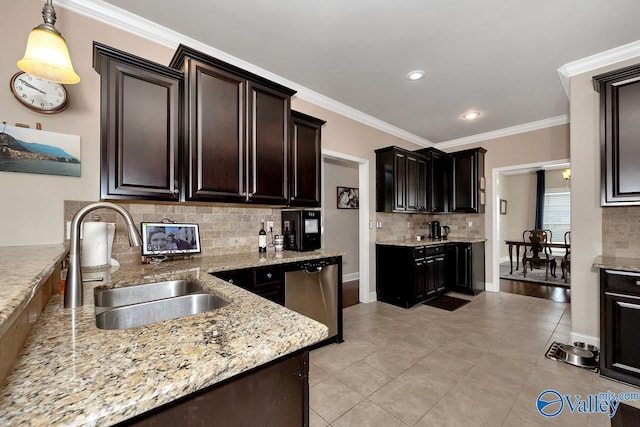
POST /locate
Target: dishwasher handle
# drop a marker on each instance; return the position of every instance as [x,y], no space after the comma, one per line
[313,270]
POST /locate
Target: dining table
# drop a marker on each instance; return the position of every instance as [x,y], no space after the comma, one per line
[518,243]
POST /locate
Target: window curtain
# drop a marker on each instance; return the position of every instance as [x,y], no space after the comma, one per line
[539,200]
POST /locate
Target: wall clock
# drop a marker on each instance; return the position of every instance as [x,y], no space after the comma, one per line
[39,95]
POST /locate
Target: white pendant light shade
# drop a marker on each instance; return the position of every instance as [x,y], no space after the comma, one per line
[46,55]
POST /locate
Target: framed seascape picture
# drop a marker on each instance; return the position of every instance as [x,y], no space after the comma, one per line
[159,238]
[348,198]
[38,151]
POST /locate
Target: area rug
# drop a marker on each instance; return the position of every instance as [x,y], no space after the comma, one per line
[536,275]
[446,302]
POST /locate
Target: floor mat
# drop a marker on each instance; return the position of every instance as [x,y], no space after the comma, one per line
[446,302]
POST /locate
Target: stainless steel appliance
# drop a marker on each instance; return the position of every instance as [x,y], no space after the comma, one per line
[301,229]
[437,231]
[313,288]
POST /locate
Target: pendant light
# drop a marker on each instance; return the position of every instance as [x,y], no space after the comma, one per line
[46,55]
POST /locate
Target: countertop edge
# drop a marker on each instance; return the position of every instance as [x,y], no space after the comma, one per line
[617,263]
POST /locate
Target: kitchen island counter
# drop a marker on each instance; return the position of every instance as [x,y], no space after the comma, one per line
[70,372]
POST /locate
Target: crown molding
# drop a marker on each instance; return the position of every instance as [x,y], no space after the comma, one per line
[599,60]
[126,21]
[500,133]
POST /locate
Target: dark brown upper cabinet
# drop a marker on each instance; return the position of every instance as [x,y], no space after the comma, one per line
[306,158]
[401,180]
[237,138]
[467,181]
[438,177]
[620,135]
[140,127]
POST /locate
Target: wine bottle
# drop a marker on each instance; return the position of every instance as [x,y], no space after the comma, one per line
[262,238]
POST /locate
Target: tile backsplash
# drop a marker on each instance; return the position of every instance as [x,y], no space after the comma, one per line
[621,231]
[399,225]
[223,229]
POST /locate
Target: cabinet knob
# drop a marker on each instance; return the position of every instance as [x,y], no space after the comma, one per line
[176,191]
[249,195]
[637,282]
[269,275]
[231,281]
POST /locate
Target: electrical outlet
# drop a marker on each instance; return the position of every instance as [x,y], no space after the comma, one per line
[408,224]
[370,225]
[379,225]
[470,224]
[270,225]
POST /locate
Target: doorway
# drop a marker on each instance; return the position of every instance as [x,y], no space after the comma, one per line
[345,229]
[515,201]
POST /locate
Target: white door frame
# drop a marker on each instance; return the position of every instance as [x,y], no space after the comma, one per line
[363,217]
[495,176]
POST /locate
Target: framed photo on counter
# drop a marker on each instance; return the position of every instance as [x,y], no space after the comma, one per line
[160,238]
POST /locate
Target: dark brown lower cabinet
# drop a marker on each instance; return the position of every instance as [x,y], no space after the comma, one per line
[276,394]
[620,325]
[406,276]
[465,267]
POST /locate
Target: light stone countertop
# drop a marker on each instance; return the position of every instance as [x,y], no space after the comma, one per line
[617,263]
[413,242]
[70,372]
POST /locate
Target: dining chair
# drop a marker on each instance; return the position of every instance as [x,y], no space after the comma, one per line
[540,252]
[565,264]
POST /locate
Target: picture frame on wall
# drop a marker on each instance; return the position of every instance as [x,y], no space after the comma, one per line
[503,207]
[348,198]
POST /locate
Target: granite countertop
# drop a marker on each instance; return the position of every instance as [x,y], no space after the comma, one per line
[413,242]
[23,270]
[70,372]
[617,263]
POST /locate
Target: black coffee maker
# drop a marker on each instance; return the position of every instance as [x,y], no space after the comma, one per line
[436,231]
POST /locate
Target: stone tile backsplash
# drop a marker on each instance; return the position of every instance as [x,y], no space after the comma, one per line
[223,230]
[398,225]
[621,231]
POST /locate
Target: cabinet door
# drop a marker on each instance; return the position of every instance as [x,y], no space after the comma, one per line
[399,180]
[140,127]
[439,275]
[268,153]
[216,139]
[464,186]
[431,276]
[421,280]
[620,130]
[416,183]
[621,347]
[305,159]
[438,185]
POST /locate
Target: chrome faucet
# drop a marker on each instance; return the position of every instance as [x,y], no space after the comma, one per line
[73,288]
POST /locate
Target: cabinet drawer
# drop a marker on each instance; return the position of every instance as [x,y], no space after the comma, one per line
[622,281]
[266,276]
[419,252]
[434,250]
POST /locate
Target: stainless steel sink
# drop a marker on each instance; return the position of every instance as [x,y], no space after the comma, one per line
[144,293]
[144,313]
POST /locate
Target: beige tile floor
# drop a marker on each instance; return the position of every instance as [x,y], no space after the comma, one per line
[481,365]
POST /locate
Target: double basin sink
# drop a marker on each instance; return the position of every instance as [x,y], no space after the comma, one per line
[139,305]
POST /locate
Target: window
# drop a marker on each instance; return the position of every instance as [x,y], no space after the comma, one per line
[557,213]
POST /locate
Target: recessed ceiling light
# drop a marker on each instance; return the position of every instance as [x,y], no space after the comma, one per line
[471,115]
[415,74]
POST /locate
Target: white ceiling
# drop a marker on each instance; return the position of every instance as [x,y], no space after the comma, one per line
[498,57]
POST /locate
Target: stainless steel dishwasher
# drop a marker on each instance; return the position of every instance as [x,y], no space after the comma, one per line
[313,288]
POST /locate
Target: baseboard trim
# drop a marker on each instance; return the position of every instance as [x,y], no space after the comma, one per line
[350,277]
[587,339]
